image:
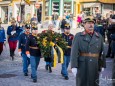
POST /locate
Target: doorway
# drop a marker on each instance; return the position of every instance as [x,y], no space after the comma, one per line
[22,13]
[39,13]
[4,14]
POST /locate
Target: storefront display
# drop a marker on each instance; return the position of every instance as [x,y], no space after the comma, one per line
[87,11]
[67,7]
[4,14]
[55,7]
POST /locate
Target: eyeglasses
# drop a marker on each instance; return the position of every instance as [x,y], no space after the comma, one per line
[27,28]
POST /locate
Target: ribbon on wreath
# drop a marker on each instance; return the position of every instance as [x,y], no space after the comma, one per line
[56,55]
[60,54]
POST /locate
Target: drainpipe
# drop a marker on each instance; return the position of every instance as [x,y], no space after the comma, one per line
[50,4]
[61,8]
[72,7]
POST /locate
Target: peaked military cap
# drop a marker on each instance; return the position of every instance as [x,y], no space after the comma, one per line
[89,20]
[27,26]
[35,28]
[67,26]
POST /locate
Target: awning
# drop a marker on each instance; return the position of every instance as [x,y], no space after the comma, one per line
[86,5]
[88,0]
[103,1]
[108,1]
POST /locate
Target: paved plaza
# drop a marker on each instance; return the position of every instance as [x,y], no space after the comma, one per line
[11,73]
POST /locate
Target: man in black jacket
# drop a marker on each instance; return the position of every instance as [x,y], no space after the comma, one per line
[33,52]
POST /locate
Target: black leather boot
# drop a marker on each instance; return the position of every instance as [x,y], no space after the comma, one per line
[50,69]
[34,80]
[11,54]
[46,67]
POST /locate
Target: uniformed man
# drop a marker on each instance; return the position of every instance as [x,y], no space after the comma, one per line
[13,34]
[68,37]
[33,52]
[86,59]
[21,49]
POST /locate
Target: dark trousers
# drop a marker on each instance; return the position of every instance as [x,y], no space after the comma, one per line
[113,72]
[1,47]
[109,52]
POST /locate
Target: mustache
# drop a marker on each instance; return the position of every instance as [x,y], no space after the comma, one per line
[90,26]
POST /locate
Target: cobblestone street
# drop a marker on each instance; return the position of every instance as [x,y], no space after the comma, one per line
[11,73]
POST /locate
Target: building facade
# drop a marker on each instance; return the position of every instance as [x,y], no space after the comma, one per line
[91,6]
[60,7]
[17,9]
[42,8]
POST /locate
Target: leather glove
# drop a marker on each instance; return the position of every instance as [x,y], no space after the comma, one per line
[28,55]
[74,71]
[102,69]
[19,53]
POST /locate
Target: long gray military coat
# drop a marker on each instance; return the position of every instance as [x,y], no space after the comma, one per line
[88,67]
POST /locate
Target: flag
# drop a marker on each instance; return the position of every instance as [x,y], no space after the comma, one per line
[27,1]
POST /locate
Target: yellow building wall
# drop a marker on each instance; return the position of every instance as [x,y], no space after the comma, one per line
[107,1]
[78,7]
[103,1]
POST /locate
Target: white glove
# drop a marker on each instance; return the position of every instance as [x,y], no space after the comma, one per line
[12,33]
[74,71]
[19,53]
[102,69]
[28,55]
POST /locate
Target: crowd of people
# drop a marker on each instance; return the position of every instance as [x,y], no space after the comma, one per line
[85,50]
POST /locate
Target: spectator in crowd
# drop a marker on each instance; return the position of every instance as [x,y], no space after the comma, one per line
[2,37]
[54,18]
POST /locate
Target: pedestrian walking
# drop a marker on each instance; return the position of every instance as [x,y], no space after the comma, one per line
[54,19]
[33,52]
[62,24]
[68,37]
[13,34]
[2,37]
[111,31]
[22,49]
[86,55]
[113,51]
[99,27]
